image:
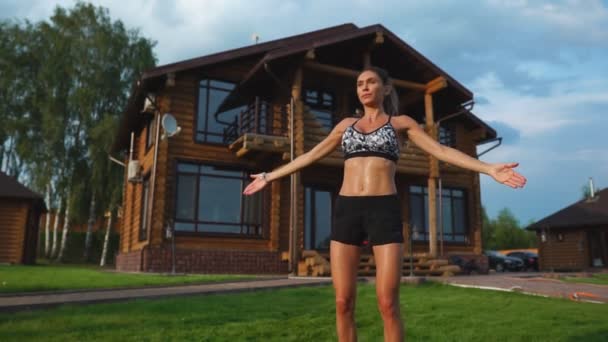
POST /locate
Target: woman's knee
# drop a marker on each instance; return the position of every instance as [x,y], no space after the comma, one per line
[388,306]
[345,305]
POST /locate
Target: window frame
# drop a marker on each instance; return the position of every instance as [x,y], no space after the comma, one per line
[318,105]
[332,196]
[205,132]
[449,135]
[425,238]
[145,206]
[264,225]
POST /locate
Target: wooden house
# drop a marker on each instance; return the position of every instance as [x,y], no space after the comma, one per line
[20,210]
[255,108]
[575,237]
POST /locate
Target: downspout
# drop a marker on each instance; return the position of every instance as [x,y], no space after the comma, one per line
[439,179]
[499,139]
[153,185]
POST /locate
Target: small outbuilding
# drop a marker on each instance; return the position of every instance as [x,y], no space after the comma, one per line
[20,210]
[576,237]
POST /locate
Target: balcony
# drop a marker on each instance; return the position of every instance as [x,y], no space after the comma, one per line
[260,128]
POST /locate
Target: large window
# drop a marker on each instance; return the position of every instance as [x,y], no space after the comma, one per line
[454,214]
[145,195]
[210,200]
[321,104]
[210,124]
[317,219]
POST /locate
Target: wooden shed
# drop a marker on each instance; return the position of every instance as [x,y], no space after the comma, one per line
[255,108]
[576,237]
[20,210]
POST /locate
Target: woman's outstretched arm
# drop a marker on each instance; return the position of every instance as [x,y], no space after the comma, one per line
[501,172]
[322,149]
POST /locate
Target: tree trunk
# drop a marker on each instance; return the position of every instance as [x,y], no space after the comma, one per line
[102,262]
[91,223]
[66,225]
[55,227]
[47,225]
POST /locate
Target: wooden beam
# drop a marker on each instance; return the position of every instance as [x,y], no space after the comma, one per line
[433,174]
[243,151]
[310,54]
[354,74]
[379,38]
[436,85]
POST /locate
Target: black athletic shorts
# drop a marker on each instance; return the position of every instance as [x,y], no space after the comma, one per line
[377,218]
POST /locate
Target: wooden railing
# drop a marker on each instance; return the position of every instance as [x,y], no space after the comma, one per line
[259,117]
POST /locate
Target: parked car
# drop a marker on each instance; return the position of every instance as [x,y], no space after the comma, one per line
[530,259]
[501,263]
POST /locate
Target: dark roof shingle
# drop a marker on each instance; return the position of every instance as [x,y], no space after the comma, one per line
[582,213]
[11,188]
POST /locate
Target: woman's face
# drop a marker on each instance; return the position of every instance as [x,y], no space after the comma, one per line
[370,89]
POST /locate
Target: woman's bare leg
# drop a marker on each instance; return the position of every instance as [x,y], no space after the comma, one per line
[388,276]
[344,261]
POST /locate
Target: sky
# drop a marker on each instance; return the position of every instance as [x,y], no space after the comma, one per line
[538,69]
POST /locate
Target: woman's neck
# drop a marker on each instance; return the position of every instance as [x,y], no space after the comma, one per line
[371,114]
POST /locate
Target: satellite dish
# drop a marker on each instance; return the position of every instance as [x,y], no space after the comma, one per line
[169,125]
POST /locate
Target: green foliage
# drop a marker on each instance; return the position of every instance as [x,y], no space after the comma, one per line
[505,232]
[75,247]
[63,86]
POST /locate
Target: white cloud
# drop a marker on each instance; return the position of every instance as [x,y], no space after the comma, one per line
[580,20]
[538,114]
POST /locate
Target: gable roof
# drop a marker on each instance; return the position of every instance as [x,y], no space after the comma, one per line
[399,56]
[245,51]
[585,212]
[11,188]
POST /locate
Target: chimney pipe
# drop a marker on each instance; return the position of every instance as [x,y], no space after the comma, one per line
[591,191]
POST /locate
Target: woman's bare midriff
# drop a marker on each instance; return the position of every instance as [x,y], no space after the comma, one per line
[368,176]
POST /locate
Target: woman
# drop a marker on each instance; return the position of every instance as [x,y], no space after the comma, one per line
[367,204]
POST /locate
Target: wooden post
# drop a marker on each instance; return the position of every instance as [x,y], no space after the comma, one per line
[433,174]
[296,149]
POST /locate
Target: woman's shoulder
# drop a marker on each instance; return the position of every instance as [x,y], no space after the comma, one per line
[349,120]
[403,121]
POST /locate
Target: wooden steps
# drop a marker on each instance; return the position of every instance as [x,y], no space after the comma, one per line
[317,264]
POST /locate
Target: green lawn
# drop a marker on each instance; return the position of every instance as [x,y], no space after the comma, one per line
[56,277]
[433,312]
[600,279]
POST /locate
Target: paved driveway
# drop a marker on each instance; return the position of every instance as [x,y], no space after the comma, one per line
[530,283]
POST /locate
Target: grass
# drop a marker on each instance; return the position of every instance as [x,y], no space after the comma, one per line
[433,312]
[19,278]
[599,279]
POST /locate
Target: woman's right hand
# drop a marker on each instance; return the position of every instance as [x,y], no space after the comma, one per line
[258,184]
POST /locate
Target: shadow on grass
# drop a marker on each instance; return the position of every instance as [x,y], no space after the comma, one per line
[600,336]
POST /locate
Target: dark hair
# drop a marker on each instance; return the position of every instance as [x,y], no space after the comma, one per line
[391,101]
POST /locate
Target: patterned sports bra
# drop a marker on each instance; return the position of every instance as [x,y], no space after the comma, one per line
[381,142]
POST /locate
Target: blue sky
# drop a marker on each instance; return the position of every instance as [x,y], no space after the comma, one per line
[538,69]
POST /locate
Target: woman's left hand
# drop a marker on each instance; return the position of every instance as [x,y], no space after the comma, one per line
[504,173]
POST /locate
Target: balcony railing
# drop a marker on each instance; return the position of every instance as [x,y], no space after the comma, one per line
[259,117]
